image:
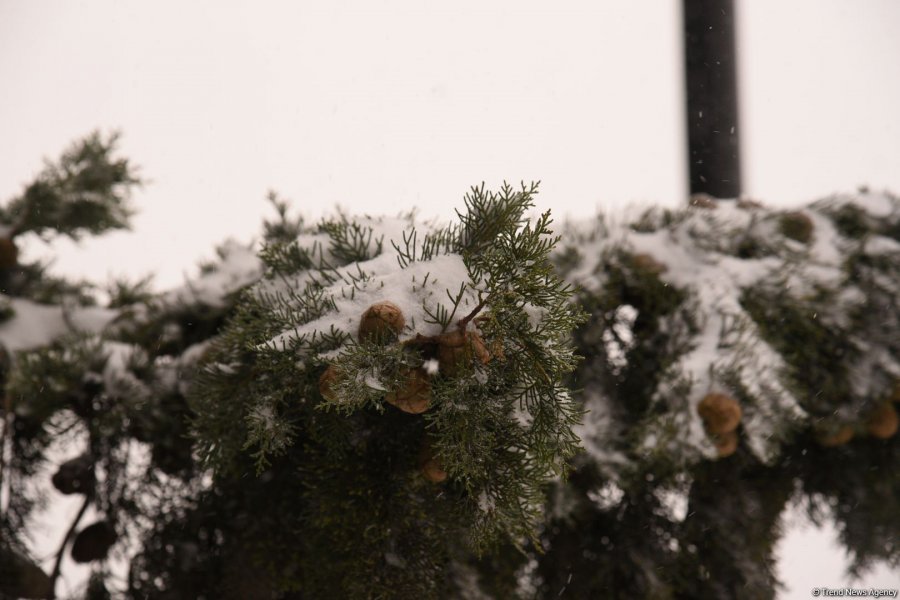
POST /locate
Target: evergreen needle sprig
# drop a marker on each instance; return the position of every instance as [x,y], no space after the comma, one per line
[479,377]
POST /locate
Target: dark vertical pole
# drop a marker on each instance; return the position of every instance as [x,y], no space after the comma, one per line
[712,108]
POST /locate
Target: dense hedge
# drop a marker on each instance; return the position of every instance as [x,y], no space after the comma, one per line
[384,408]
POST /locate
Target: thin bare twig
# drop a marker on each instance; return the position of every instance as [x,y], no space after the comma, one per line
[62,548]
[465,320]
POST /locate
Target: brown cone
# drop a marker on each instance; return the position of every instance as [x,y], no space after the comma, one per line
[326,383]
[797,226]
[720,413]
[93,542]
[431,467]
[726,443]
[381,321]
[835,437]
[9,253]
[414,396]
[457,349]
[648,264]
[883,423]
[75,476]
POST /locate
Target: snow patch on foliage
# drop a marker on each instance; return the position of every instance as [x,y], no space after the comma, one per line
[607,497]
[728,339]
[597,431]
[417,290]
[118,375]
[699,251]
[239,266]
[33,325]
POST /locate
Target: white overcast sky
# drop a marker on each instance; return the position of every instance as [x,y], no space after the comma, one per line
[380,106]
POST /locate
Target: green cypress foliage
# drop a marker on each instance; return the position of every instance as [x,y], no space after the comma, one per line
[85,191]
[486,341]
[802,332]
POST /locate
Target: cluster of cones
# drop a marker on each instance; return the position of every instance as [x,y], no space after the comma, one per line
[721,416]
[22,578]
[882,423]
[76,476]
[454,351]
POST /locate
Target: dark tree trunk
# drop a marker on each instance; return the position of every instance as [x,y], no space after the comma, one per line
[710,57]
